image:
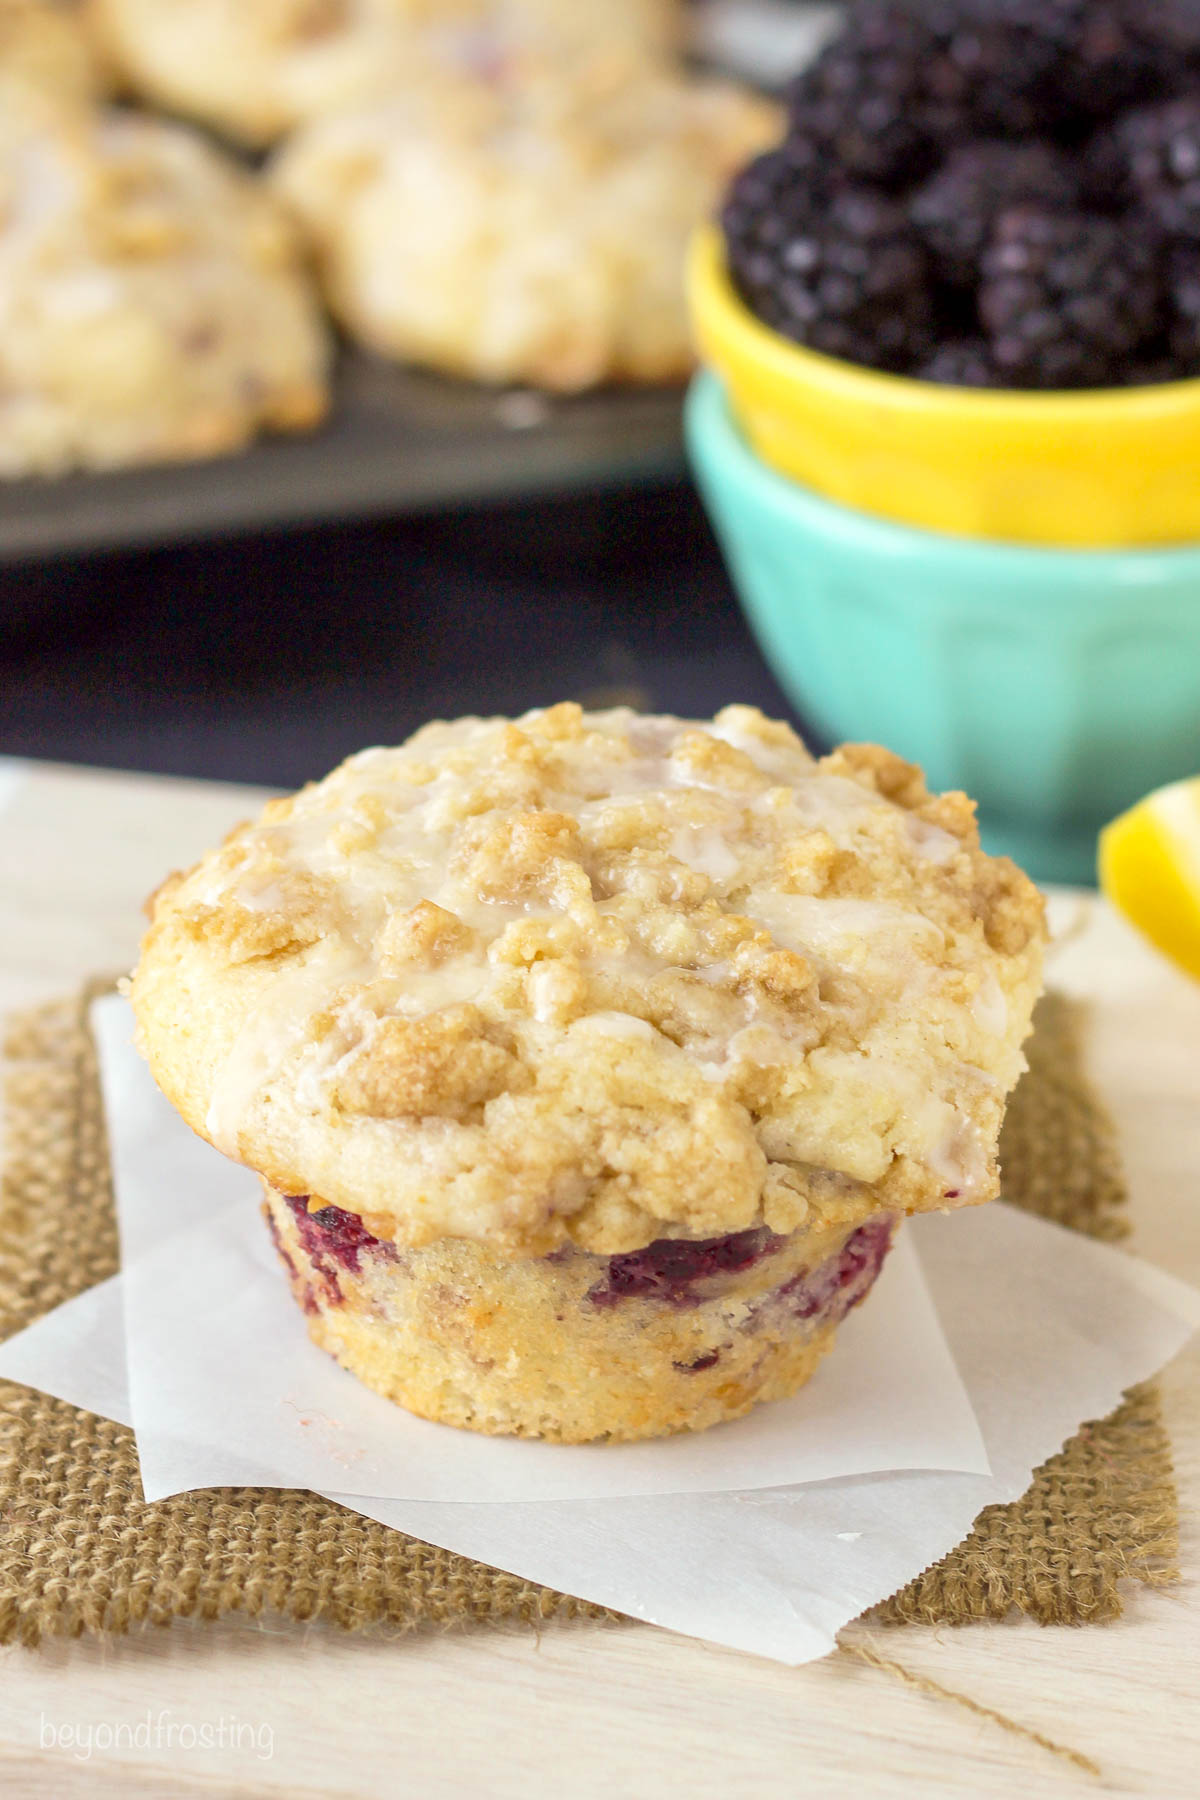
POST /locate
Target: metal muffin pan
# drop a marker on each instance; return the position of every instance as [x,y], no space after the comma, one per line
[401,440]
[397,441]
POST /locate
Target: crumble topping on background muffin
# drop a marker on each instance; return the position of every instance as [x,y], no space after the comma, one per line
[45,50]
[600,980]
[254,69]
[153,301]
[522,230]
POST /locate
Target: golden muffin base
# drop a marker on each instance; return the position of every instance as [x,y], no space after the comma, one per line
[552,1347]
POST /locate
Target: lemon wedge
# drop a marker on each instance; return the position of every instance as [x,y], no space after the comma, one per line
[1149,865]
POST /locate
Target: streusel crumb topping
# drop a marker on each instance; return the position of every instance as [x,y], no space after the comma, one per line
[601,978]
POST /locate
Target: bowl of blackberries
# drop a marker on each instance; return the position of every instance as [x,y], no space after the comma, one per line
[964,290]
[1054,685]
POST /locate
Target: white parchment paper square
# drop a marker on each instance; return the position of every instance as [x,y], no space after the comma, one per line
[227,1388]
[1045,1328]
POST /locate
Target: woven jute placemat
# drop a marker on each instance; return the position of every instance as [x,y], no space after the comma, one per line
[81,1551]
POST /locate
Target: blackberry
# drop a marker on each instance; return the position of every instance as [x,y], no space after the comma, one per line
[846,275]
[1110,58]
[1065,297]
[961,362]
[1169,28]
[1032,65]
[1151,159]
[1183,300]
[903,81]
[1152,370]
[955,209]
[999,60]
[864,99]
[768,201]
[668,1269]
[334,1233]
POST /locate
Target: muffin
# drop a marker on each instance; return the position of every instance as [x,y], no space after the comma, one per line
[574,1346]
[153,301]
[44,50]
[591,1061]
[529,231]
[254,69]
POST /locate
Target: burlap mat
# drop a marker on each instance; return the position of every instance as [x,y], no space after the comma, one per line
[80,1551]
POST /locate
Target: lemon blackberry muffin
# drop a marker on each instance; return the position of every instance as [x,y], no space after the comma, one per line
[573,1346]
[528,231]
[590,1061]
[153,299]
[255,68]
[44,49]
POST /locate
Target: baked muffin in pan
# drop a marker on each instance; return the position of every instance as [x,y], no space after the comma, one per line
[254,69]
[44,49]
[527,230]
[154,303]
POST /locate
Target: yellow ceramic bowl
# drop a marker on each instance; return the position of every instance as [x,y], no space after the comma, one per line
[1098,469]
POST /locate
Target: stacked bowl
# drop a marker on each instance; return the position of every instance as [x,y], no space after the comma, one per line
[1002,585]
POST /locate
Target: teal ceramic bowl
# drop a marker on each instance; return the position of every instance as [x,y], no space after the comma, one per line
[1055,686]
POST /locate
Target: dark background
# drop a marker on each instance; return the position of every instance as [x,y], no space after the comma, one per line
[268,659]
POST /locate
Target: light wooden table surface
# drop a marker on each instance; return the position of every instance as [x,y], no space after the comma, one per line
[623,1710]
